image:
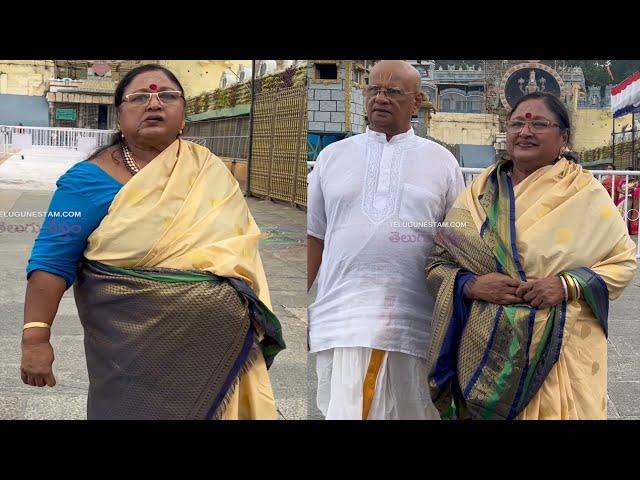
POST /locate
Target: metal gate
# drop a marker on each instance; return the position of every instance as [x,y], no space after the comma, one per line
[84,139]
[278,164]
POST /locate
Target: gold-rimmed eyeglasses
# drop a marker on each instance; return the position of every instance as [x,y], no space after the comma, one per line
[390,92]
[143,98]
[535,126]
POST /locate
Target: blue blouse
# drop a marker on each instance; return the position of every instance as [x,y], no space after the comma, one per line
[87,189]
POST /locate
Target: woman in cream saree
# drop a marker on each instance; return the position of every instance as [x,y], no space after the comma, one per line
[167,276]
[521,358]
[173,298]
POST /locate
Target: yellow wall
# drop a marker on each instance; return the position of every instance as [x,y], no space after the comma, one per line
[592,127]
[25,77]
[198,76]
[467,128]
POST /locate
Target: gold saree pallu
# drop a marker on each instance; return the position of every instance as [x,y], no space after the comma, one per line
[479,363]
[171,293]
[483,361]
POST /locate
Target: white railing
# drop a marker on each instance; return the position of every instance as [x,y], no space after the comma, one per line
[21,137]
[628,212]
[470,173]
[14,138]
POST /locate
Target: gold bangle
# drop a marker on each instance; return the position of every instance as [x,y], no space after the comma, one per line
[35,324]
[570,291]
[571,286]
[564,288]
[574,289]
[578,288]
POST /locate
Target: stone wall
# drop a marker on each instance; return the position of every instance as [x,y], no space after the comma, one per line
[335,106]
[25,77]
[592,127]
[465,128]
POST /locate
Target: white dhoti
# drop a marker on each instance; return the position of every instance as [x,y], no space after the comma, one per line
[357,383]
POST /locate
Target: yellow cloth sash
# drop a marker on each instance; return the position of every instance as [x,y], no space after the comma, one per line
[184,210]
[565,219]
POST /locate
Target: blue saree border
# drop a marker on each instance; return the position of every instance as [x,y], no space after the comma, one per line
[516,400]
[512,228]
[485,355]
[235,370]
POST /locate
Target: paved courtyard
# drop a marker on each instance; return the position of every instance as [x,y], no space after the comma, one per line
[283,252]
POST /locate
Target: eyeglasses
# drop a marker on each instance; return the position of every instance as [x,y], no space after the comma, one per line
[143,98]
[535,126]
[391,92]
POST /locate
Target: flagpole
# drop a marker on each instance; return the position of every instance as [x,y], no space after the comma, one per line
[613,128]
[633,140]
[613,142]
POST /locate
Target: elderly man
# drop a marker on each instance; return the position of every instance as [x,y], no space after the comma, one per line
[375,200]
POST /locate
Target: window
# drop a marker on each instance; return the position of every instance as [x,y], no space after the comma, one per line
[475,102]
[4,82]
[455,99]
[358,75]
[326,71]
[477,105]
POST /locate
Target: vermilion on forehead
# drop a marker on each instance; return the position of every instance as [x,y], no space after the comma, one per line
[532,108]
[153,81]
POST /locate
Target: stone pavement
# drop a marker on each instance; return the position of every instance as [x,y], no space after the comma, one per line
[624,354]
[283,252]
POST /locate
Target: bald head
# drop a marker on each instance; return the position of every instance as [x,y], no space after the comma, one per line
[396,70]
[390,112]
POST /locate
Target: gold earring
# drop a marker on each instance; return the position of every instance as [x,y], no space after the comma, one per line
[561,153]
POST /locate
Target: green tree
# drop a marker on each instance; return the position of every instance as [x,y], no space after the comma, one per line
[595,71]
[621,69]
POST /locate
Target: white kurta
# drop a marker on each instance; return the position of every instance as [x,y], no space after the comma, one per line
[376,205]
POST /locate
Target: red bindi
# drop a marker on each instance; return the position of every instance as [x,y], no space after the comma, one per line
[527,115]
[153,87]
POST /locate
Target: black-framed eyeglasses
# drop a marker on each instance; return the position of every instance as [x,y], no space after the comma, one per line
[143,98]
[390,92]
[535,126]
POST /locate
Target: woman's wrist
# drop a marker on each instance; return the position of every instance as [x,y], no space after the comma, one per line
[468,290]
[35,335]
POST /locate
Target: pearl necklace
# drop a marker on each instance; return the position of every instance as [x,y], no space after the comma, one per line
[128,160]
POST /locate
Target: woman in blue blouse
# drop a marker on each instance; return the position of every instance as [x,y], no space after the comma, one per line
[167,277]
